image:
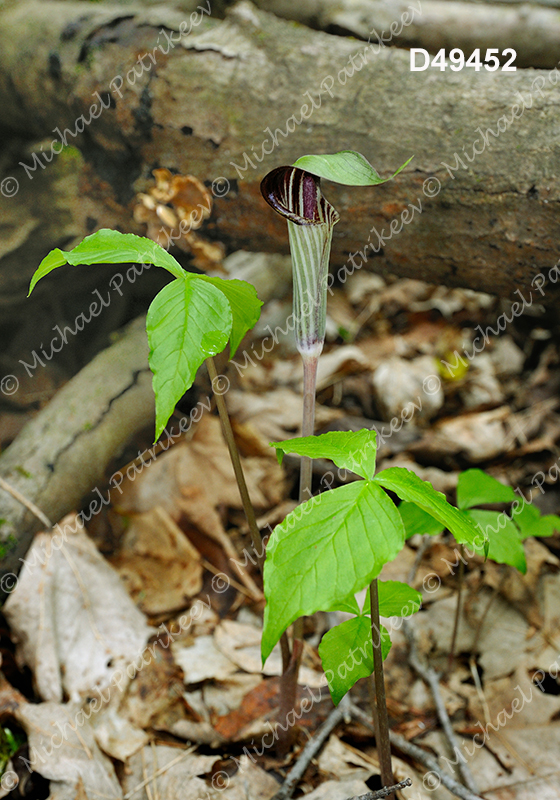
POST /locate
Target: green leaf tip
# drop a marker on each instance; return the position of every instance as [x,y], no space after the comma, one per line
[352,450]
[409,486]
[347,167]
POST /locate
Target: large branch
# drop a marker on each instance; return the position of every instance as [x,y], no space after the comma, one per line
[62,453]
[201,106]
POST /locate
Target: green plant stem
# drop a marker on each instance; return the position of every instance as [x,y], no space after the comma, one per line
[380,716]
[289,680]
[310,363]
[457,610]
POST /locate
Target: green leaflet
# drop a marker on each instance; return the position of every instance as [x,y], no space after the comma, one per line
[531,523]
[187,321]
[109,247]
[353,450]
[505,545]
[476,488]
[244,303]
[346,650]
[396,599]
[408,486]
[326,550]
[347,654]
[416,520]
[347,167]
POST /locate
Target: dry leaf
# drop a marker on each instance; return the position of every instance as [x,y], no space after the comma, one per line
[200,469]
[276,414]
[408,388]
[202,661]
[241,643]
[172,209]
[159,566]
[74,622]
[167,772]
[62,748]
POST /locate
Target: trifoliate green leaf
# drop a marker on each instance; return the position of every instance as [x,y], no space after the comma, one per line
[504,541]
[416,520]
[530,522]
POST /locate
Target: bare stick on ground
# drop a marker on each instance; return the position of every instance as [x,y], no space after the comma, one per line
[310,751]
[417,754]
[383,792]
[430,676]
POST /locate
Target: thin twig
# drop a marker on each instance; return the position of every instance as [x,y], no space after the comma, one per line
[425,545]
[415,752]
[159,772]
[310,751]
[215,571]
[431,677]
[383,792]
[35,510]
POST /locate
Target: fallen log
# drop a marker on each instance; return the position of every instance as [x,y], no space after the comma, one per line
[533,32]
[229,100]
[62,454]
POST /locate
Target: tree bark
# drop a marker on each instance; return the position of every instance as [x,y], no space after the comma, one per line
[62,453]
[232,99]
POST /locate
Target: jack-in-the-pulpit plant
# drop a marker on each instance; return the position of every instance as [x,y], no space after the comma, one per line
[295,193]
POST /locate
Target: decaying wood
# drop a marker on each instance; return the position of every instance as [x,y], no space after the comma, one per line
[533,32]
[477,207]
[62,453]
